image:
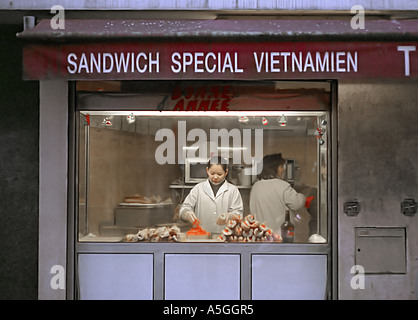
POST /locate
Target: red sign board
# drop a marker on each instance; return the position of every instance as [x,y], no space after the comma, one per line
[222,60]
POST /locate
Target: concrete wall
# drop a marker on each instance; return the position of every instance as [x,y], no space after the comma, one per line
[53,179]
[18,173]
[378,166]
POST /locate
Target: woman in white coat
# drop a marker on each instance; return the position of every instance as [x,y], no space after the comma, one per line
[212,198]
[271,196]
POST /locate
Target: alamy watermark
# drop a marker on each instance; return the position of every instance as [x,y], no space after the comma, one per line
[204,147]
[58,21]
[358,21]
[357,281]
[58,280]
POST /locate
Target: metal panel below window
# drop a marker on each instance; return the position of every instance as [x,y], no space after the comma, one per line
[115,276]
[289,277]
[202,277]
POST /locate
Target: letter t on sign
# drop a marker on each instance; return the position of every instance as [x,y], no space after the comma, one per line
[406,50]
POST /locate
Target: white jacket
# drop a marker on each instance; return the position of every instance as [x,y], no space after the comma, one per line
[208,208]
[269,200]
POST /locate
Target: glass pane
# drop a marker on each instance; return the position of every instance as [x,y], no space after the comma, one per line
[143,176]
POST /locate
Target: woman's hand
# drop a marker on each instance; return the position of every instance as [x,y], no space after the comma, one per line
[189,216]
[222,219]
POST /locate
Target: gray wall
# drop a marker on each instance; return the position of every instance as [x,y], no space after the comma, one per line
[53,187]
[18,173]
[378,166]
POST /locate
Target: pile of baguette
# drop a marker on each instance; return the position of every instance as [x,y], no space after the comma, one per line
[160,234]
[247,230]
[236,229]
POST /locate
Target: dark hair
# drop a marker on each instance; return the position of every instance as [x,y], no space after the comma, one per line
[270,164]
[218,160]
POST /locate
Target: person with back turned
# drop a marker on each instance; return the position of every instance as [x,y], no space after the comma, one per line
[271,196]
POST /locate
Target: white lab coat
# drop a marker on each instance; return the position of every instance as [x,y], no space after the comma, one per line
[269,200]
[208,208]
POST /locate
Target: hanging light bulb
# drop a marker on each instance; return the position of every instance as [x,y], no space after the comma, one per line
[243,119]
[323,126]
[265,122]
[107,122]
[282,120]
[130,118]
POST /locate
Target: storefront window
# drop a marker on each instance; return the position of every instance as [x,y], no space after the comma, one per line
[147,176]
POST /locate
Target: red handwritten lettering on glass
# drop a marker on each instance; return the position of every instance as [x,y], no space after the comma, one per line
[204,98]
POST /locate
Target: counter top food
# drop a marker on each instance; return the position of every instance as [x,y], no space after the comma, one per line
[237,229]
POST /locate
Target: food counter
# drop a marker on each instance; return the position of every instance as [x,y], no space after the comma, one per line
[167,262]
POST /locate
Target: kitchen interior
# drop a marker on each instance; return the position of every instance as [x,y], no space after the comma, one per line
[122,187]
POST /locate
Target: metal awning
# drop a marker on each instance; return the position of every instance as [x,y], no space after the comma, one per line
[254,30]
